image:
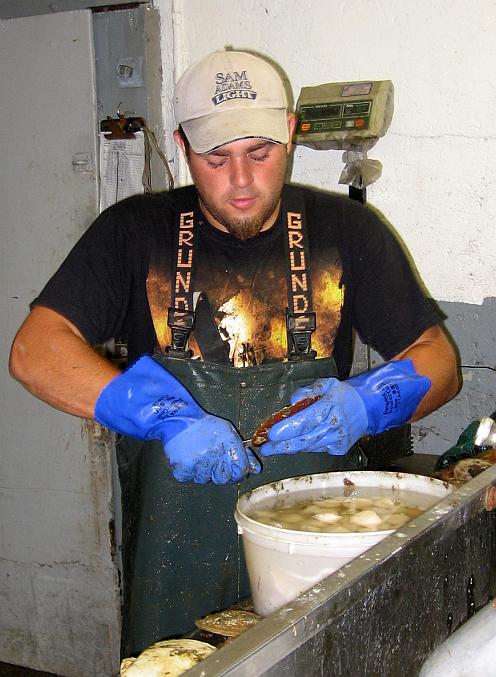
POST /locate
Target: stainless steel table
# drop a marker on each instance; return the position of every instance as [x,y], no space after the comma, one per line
[386,611]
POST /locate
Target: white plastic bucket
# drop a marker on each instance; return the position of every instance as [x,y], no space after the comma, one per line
[283,563]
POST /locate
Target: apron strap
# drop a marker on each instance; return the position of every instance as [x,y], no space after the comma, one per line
[191,310]
[181,314]
[300,318]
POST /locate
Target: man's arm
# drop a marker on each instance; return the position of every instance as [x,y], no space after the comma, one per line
[434,356]
[413,384]
[51,359]
[53,362]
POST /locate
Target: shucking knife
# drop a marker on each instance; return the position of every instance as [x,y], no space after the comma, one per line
[261,433]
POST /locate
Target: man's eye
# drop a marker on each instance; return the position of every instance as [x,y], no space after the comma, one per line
[260,157]
[215,164]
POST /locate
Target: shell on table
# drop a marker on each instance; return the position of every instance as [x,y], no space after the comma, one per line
[171,657]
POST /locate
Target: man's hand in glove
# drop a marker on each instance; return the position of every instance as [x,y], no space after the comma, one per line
[368,404]
[147,402]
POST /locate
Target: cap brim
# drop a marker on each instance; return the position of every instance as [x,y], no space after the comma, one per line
[211,131]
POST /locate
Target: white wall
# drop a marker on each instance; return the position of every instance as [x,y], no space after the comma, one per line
[438,186]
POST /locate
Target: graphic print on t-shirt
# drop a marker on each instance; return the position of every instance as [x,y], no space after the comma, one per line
[246,284]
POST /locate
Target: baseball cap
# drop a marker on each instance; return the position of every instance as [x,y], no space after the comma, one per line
[230,95]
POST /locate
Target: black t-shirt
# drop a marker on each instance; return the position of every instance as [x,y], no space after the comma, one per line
[117,281]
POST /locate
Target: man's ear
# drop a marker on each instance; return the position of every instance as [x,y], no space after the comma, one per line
[291,128]
[180,141]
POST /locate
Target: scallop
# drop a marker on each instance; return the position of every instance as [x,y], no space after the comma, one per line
[366,518]
[383,512]
[360,503]
[397,519]
[328,517]
[312,509]
[265,516]
[383,502]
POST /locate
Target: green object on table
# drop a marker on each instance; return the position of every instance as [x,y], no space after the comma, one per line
[464,448]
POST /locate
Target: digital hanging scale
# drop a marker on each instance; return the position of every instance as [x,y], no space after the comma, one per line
[342,115]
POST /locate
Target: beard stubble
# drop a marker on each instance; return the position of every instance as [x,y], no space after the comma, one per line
[243,228]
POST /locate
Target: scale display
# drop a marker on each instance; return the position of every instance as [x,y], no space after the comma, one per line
[322,117]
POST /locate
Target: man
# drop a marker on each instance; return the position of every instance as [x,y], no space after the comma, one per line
[247,292]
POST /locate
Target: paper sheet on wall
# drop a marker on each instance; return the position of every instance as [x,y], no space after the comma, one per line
[121,168]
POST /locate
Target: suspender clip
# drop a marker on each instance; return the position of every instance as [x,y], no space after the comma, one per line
[181,323]
[300,327]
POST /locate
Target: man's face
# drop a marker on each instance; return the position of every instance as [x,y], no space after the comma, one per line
[240,183]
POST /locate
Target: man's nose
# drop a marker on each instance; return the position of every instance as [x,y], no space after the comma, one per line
[241,174]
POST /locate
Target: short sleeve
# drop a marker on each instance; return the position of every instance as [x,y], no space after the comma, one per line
[92,286]
[390,307]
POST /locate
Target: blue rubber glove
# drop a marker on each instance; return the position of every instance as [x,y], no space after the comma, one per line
[368,404]
[147,402]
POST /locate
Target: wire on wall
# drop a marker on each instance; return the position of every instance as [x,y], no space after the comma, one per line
[151,144]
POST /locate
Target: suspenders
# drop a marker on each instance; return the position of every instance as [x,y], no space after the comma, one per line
[188,307]
[300,318]
[181,314]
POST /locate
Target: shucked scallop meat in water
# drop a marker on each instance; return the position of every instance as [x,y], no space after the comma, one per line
[343,514]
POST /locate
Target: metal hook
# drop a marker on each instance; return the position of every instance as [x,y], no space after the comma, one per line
[126,113]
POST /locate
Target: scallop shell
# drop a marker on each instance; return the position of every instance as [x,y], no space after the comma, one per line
[170,657]
[229,623]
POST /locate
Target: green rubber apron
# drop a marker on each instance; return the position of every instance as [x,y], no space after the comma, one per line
[182,555]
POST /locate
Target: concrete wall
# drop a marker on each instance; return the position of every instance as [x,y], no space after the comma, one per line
[438,183]
[59,590]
